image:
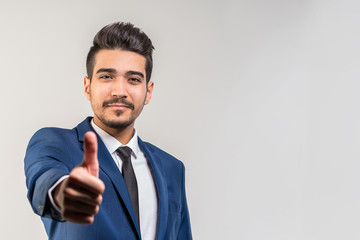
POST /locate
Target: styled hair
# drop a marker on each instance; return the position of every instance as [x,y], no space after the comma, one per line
[123,36]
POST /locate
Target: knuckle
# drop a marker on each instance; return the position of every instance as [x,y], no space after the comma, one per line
[102,187]
[89,219]
[96,210]
[99,199]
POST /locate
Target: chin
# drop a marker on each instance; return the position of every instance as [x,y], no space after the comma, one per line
[118,124]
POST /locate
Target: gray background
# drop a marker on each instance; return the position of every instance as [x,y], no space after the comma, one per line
[260,99]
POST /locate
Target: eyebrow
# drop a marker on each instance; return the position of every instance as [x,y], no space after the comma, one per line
[109,70]
[135,73]
[112,70]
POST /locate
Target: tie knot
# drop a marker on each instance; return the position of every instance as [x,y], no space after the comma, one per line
[124,152]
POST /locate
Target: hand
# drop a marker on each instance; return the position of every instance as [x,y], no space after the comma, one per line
[79,195]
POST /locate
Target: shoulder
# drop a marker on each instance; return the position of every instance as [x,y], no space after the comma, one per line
[55,134]
[51,144]
[53,131]
[52,134]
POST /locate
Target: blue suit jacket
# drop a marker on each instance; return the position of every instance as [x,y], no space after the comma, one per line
[54,152]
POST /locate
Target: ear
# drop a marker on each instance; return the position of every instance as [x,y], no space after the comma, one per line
[87,87]
[150,88]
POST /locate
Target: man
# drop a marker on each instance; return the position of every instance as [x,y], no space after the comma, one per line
[99,180]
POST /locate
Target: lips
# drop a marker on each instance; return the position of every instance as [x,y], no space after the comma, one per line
[118,106]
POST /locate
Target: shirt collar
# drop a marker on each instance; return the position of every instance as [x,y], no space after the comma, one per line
[112,144]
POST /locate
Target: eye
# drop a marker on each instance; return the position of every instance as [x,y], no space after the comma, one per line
[134,79]
[105,77]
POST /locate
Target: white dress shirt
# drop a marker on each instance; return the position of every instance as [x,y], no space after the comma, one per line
[148,202]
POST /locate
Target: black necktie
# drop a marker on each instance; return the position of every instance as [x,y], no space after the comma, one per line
[129,177]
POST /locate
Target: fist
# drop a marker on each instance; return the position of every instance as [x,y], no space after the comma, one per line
[80,195]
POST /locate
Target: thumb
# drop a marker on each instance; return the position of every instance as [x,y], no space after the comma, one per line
[90,161]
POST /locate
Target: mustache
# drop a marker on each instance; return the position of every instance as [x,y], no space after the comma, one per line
[118,100]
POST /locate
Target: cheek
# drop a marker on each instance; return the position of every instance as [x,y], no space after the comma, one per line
[139,99]
[96,101]
[98,94]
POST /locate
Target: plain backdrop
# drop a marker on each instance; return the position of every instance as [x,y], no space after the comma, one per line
[259,99]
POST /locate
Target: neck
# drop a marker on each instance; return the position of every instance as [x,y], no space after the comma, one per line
[123,135]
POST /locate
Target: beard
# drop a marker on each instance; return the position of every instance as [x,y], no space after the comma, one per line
[117,124]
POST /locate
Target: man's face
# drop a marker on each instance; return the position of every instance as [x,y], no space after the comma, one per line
[118,90]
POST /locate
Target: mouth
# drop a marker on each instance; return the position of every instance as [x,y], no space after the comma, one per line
[119,107]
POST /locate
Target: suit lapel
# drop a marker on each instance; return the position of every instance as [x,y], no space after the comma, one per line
[161,188]
[108,166]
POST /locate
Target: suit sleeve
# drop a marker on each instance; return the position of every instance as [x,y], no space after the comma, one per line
[47,159]
[185,227]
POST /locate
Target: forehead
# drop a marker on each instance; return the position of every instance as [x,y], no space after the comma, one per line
[120,60]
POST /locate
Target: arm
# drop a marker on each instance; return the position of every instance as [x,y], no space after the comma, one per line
[78,196]
[46,161]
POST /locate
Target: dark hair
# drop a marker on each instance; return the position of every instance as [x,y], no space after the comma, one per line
[122,36]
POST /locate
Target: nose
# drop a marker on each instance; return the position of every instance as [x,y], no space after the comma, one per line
[119,89]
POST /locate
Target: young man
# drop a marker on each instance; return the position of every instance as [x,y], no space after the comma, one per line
[99,180]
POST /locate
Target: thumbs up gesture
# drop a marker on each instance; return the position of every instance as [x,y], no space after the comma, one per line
[79,195]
